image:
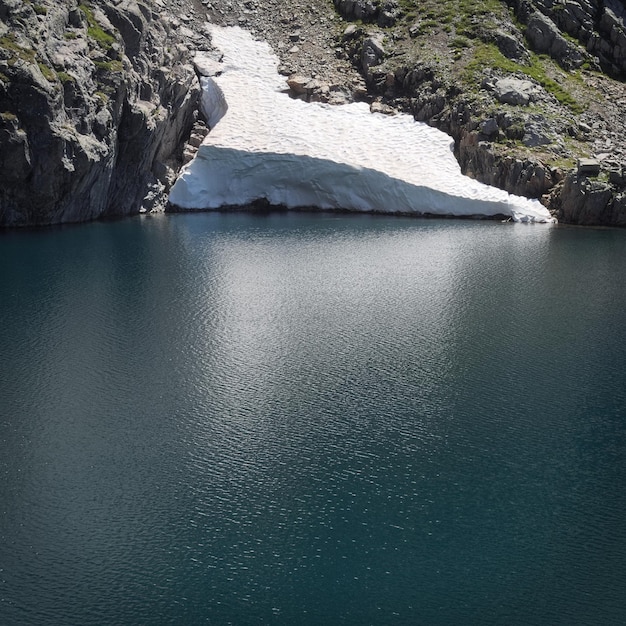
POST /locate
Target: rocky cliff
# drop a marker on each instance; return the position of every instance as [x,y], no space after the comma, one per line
[532,92]
[96,101]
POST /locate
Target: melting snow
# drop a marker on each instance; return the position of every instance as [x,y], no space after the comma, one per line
[265,145]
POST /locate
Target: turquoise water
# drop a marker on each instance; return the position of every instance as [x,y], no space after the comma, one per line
[312,419]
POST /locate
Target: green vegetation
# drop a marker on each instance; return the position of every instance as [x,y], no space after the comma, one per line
[472,16]
[453,36]
[463,16]
[488,55]
[109,66]
[40,10]
[463,27]
[460,42]
[9,42]
[564,163]
[452,45]
[48,73]
[64,77]
[94,30]
[70,35]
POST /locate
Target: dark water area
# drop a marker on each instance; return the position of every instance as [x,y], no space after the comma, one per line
[312,419]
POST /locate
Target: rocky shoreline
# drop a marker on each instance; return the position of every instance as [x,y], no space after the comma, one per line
[99,100]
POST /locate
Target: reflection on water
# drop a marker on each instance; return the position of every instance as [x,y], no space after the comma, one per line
[297,418]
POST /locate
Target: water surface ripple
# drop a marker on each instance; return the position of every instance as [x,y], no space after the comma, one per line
[307,419]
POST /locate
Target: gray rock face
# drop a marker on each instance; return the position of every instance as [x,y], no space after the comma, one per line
[515,91]
[545,37]
[95,104]
[489,127]
[15,157]
[598,25]
[92,126]
[372,53]
[613,44]
[523,177]
[383,13]
[581,200]
[510,46]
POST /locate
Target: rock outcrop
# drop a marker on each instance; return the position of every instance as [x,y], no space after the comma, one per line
[96,100]
[595,27]
[384,13]
[579,199]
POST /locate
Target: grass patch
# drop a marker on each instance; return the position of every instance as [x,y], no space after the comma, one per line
[64,77]
[564,163]
[94,30]
[109,66]
[459,42]
[48,73]
[488,55]
[70,35]
[8,42]
[462,17]
[40,10]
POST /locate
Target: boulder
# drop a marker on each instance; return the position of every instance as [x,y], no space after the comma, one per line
[372,52]
[588,167]
[509,45]
[515,91]
[489,127]
[384,13]
[298,83]
[536,135]
[309,89]
[206,64]
[357,9]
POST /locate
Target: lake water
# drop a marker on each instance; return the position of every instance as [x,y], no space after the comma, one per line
[312,419]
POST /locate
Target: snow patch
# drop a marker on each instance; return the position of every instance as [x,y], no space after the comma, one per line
[265,145]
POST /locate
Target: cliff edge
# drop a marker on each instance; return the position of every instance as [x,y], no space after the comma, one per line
[96,102]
